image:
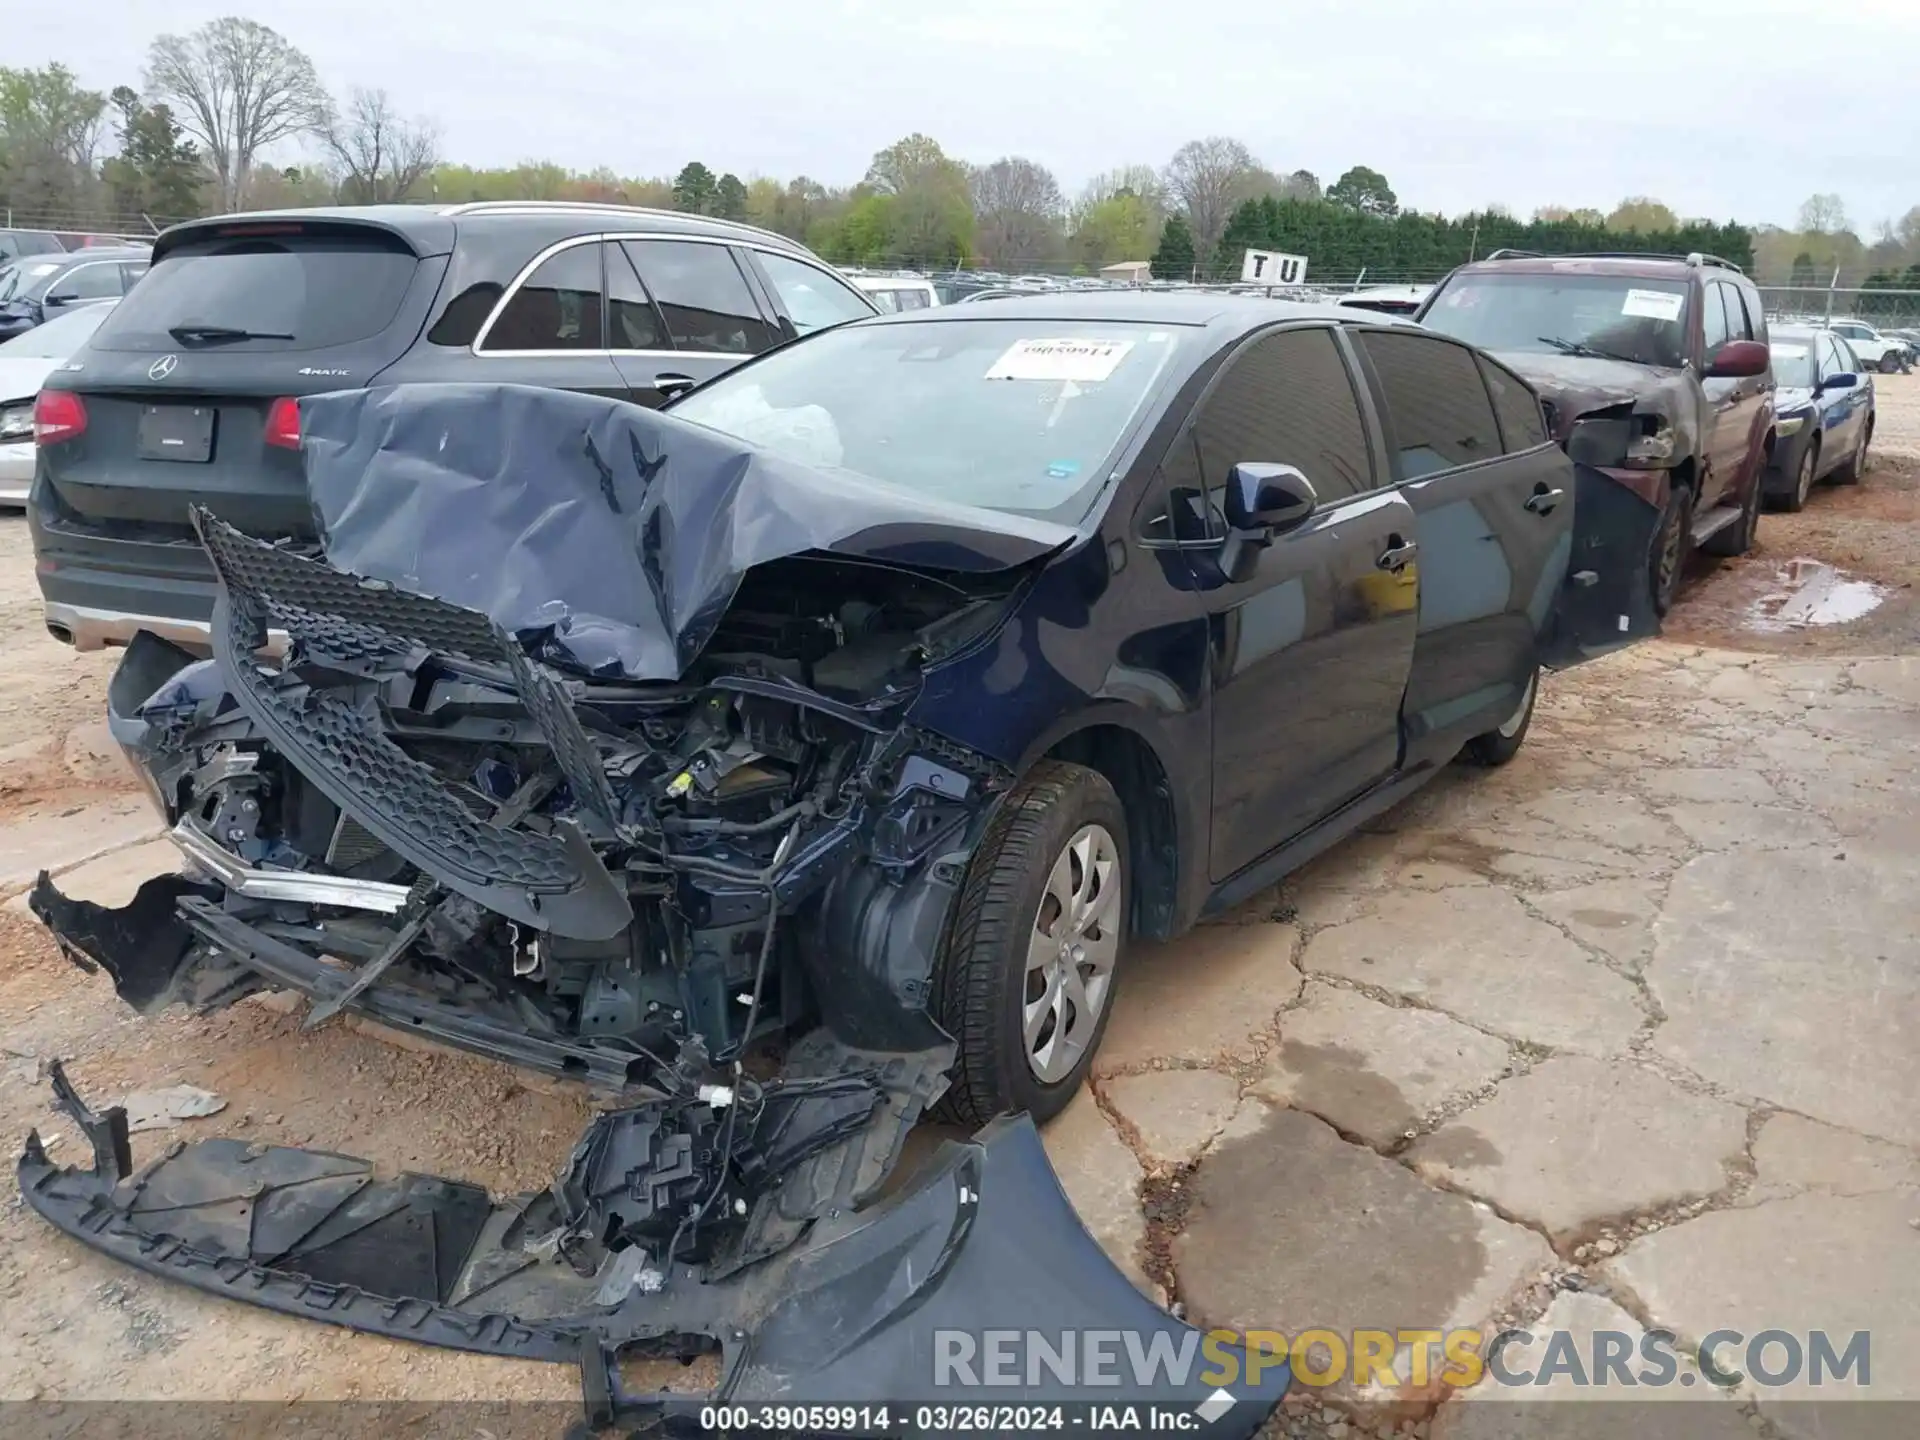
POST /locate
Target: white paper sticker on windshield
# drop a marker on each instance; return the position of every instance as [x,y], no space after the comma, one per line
[1789,352]
[1062,359]
[1652,304]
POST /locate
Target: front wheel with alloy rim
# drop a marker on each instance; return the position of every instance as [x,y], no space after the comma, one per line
[1026,980]
[1670,544]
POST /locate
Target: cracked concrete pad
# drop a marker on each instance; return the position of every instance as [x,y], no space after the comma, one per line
[1174,1112]
[1606,817]
[1795,977]
[1895,677]
[1615,917]
[1206,994]
[1102,1179]
[1726,824]
[1710,785]
[1822,1263]
[112,879]
[1576,1142]
[1476,953]
[57,841]
[1794,1153]
[1290,1228]
[1594,1377]
[1374,1070]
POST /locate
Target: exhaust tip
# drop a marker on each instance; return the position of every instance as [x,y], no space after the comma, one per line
[60,633]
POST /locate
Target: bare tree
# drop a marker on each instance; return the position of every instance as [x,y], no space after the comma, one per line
[1017,210]
[236,87]
[1823,215]
[1141,180]
[1209,178]
[382,155]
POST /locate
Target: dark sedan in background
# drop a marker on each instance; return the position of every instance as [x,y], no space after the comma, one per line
[35,288]
[1823,406]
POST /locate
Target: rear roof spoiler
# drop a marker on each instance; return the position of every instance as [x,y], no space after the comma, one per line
[424,231]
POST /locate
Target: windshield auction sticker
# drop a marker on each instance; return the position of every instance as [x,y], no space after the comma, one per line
[1077,360]
[1652,304]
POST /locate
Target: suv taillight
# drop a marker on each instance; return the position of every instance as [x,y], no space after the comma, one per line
[283,423]
[57,415]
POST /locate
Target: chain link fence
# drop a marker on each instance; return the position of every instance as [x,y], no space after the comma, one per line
[1889,309]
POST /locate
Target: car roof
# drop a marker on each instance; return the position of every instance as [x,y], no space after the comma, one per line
[1202,309]
[430,229]
[95,252]
[1666,267]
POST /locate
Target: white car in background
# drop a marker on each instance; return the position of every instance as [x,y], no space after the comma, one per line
[1876,351]
[893,293]
[25,362]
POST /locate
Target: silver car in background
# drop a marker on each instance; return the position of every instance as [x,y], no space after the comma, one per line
[25,362]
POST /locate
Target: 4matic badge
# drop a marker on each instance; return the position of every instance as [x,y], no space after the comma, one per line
[319,370]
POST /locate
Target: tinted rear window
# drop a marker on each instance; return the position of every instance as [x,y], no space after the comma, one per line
[321,289]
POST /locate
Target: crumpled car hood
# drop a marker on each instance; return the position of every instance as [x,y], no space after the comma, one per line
[621,531]
[1578,384]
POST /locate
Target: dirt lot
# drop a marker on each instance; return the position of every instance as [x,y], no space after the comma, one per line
[1578,938]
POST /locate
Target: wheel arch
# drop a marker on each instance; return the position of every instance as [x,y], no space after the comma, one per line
[1130,764]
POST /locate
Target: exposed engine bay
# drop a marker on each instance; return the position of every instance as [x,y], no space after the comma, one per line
[718,896]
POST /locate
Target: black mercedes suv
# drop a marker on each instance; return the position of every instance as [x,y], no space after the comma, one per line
[188,394]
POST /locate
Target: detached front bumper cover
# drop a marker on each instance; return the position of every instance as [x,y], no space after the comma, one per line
[867,1310]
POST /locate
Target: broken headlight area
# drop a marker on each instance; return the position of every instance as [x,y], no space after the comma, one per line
[407,814]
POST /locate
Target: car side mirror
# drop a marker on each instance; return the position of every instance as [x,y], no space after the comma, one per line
[63,297]
[1740,360]
[1600,441]
[1266,499]
[1839,380]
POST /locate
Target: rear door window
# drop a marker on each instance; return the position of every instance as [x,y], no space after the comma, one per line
[1438,407]
[1522,426]
[1739,326]
[323,289]
[702,295]
[632,322]
[89,282]
[557,307]
[812,298]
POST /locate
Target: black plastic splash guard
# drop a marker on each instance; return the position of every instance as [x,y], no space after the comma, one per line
[869,1310]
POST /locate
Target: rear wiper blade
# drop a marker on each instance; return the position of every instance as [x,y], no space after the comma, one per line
[1580,347]
[220,334]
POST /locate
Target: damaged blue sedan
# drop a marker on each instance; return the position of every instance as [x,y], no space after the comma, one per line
[798,762]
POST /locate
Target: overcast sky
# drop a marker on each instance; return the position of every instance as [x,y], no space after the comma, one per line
[1729,109]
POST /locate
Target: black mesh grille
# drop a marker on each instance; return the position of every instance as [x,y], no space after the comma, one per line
[318,604]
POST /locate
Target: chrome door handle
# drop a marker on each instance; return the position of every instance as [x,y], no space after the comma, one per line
[672,385]
[1395,557]
[1542,502]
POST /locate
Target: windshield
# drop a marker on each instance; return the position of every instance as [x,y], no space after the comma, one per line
[26,280]
[1613,317]
[1016,415]
[1793,364]
[59,338]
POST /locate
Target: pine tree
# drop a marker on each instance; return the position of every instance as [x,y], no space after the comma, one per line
[1174,259]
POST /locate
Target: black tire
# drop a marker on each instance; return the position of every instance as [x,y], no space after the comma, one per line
[1795,500]
[1889,363]
[1672,542]
[1855,465]
[981,976]
[1498,746]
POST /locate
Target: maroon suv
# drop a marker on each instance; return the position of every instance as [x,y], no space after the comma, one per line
[1675,345]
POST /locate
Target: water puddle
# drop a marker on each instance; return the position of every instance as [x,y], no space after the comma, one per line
[1812,592]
